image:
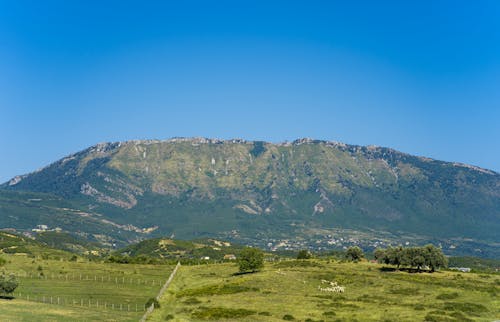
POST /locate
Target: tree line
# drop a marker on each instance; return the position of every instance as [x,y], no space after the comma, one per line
[413,257]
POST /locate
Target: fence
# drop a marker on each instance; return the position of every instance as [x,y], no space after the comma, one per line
[81,302]
[92,278]
[160,293]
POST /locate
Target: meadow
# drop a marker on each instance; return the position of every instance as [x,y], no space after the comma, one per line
[290,290]
[62,290]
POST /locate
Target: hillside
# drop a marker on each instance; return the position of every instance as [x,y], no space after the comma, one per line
[20,245]
[297,291]
[260,193]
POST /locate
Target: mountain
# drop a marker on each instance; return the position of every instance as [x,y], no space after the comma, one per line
[306,193]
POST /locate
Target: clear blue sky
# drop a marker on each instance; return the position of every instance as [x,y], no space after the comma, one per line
[422,77]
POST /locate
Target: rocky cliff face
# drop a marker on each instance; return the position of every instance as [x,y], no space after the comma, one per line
[207,186]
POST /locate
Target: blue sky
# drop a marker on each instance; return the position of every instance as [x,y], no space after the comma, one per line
[422,77]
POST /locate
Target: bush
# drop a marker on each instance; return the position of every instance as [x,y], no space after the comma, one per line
[250,259]
[304,254]
[218,313]
[354,254]
[152,301]
[2,261]
[288,317]
[8,284]
[447,296]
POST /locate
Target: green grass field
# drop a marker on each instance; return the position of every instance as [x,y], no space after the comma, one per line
[57,290]
[289,291]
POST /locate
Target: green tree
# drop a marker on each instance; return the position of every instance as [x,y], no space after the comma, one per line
[8,284]
[395,256]
[381,256]
[251,259]
[434,257]
[354,254]
[304,254]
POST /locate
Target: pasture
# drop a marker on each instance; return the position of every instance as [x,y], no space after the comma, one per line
[60,290]
[295,291]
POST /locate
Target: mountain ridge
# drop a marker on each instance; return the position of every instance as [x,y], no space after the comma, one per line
[199,187]
[204,140]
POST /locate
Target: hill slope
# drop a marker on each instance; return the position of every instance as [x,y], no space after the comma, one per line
[259,191]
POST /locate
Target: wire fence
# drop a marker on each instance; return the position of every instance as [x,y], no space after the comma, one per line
[150,309]
[82,302]
[92,278]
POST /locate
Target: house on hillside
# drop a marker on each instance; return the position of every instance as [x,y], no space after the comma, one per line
[230,257]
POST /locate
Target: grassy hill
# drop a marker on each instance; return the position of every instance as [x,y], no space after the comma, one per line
[290,291]
[259,193]
[19,245]
[56,287]
[166,248]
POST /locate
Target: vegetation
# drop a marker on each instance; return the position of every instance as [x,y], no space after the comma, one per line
[354,254]
[304,254]
[214,292]
[417,257]
[8,284]
[250,260]
[158,250]
[209,188]
[475,263]
[82,289]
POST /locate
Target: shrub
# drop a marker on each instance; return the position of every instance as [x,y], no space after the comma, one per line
[354,254]
[192,301]
[304,254]
[469,308]
[8,284]
[251,259]
[217,313]
[447,296]
[153,301]
[329,313]
[288,317]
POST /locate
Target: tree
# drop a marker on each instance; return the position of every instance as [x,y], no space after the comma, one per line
[395,256]
[251,259]
[434,257]
[418,257]
[304,254]
[354,254]
[8,284]
[380,255]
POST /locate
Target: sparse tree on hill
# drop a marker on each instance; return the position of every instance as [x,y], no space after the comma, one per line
[304,254]
[8,284]
[251,259]
[434,257]
[354,254]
